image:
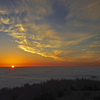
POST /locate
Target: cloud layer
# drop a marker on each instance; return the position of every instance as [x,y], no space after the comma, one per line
[66,30]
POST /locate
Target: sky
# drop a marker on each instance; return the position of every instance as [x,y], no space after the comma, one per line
[49,33]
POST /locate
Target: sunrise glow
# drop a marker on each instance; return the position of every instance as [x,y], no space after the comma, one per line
[13,66]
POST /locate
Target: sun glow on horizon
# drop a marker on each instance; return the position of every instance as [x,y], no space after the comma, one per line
[13,66]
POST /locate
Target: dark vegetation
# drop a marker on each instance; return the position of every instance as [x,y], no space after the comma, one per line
[79,89]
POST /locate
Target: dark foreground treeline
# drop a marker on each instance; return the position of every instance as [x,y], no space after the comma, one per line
[50,90]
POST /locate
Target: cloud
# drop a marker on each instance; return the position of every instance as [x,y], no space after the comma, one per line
[95,44]
[29,23]
[92,55]
[2,12]
[5,21]
[83,9]
[45,41]
[1,28]
[97,37]
[82,15]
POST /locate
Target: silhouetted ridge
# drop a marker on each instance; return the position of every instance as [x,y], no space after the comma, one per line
[50,90]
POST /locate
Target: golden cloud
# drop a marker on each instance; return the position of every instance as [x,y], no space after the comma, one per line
[28,27]
[2,12]
[5,21]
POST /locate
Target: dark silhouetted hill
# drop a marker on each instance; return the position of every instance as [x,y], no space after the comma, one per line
[78,89]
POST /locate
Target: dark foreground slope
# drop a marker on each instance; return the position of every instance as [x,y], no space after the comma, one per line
[78,89]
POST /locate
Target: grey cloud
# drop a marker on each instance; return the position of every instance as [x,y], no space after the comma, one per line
[84,9]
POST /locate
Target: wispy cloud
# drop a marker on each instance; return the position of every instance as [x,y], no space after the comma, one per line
[29,23]
[83,9]
[95,44]
[45,41]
